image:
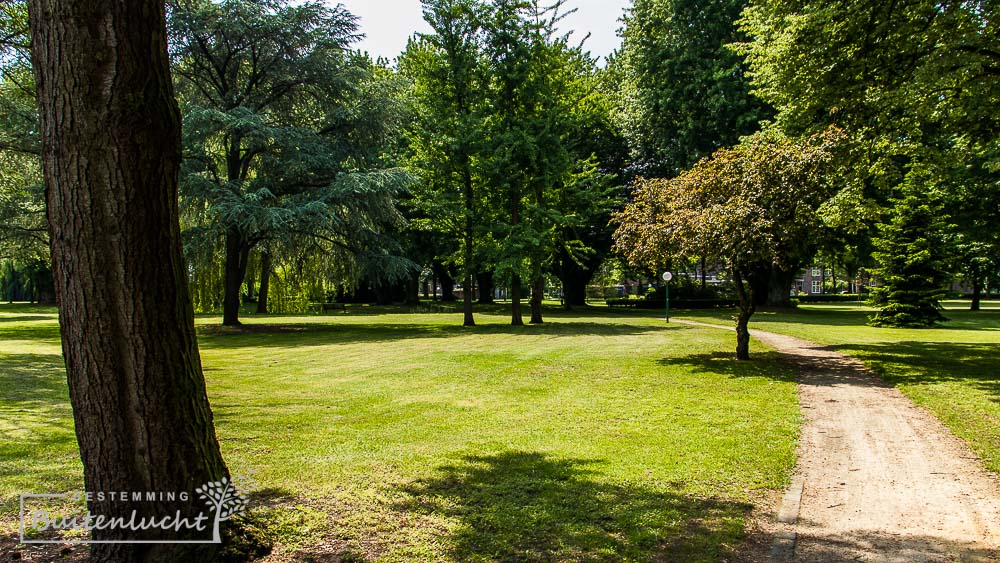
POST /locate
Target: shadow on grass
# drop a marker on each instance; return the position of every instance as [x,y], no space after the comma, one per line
[39,331]
[28,380]
[916,363]
[25,318]
[770,365]
[36,424]
[526,506]
[311,334]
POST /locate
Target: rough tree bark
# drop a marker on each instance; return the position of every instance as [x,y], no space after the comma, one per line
[110,129]
[265,283]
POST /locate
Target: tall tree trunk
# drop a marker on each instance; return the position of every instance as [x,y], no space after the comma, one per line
[265,283]
[237,254]
[537,292]
[515,301]
[110,131]
[470,269]
[703,274]
[747,309]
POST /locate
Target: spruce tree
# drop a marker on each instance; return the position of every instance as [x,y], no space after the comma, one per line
[913,252]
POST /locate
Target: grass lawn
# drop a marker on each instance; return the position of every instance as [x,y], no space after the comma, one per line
[404,437]
[954,370]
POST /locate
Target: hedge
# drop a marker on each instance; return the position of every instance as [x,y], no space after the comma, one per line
[830,298]
[674,303]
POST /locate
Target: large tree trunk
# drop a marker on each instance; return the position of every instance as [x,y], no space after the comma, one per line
[515,301]
[110,129]
[773,288]
[537,291]
[447,283]
[237,255]
[265,283]
[486,287]
[574,280]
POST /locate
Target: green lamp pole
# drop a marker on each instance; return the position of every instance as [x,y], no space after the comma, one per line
[667,276]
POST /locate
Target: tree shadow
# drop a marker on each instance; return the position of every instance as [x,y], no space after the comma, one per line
[760,365]
[39,331]
[318,334]
[916,363]
[527,506]
[816,543]
[26,318]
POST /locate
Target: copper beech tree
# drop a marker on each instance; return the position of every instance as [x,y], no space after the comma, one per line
[747,209]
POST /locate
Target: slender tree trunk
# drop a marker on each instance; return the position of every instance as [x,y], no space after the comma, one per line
[237,254]
[704,281]
[265,283]
[747,309]
[470,269]
[110,130]
[537,292]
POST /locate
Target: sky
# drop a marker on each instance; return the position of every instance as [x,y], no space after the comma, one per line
[387,24]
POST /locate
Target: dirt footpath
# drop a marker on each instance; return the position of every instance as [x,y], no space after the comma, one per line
[878,478]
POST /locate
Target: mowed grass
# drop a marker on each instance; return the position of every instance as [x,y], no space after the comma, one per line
[953,371]
[405,437]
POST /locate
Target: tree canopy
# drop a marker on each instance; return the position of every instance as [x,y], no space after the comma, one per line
[284,132]
[747,208]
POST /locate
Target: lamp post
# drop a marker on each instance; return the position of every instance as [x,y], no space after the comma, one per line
[667,276]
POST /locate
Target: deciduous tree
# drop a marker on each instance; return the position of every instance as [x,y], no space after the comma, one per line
[746,207]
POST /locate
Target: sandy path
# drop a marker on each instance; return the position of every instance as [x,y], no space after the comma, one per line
[878,478]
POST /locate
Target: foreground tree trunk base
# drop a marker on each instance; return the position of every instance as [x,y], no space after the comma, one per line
[142,417]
